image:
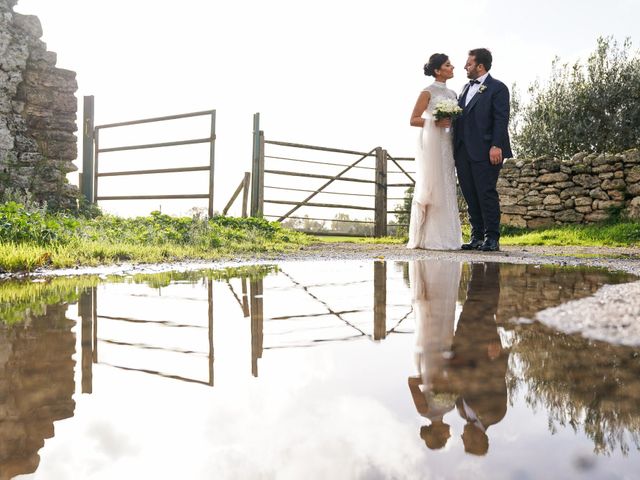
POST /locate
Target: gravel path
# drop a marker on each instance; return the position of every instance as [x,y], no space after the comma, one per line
[612,315]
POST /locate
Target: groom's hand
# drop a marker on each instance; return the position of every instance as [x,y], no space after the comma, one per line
[495,155]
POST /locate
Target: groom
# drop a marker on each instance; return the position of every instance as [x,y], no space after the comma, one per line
[481,142]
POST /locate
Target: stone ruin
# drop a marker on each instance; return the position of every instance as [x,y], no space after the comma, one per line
[37,114]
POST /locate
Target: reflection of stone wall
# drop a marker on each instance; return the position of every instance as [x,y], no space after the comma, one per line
[36,387]
[583,189]
[527,289]
[37,113]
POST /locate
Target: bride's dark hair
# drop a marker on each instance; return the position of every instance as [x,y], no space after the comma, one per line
[435,62]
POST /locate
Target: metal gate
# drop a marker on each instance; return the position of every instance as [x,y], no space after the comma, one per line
[338,173]
[92,157]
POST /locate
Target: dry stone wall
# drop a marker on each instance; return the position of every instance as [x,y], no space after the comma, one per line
[587,188]
[37,113]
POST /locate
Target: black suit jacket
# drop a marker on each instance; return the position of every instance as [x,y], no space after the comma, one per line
[484,122]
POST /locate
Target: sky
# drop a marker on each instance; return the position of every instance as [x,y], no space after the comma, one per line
[339,73]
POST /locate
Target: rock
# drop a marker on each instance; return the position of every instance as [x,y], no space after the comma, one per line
[633,174]
[513,220]
[583,201]
[572,192]
[614,184]
[539,222]
[513,209]
[551,200]
[634,189]
[616,195]
[540,213]
[527,179]
[584,209]
[550,165]
[633,210]
[579,158]
[599,194]
[581,168]
[508,200]
[530,200]
[597,216]
[569,216]
[603,168]
[585,180]
[631,156]
[514,192]
[607,204]
[30,24]
[552,177]
[554,208]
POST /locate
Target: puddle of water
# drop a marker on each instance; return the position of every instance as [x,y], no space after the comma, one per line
[315,370]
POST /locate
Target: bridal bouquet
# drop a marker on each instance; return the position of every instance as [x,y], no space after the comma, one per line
[446,109]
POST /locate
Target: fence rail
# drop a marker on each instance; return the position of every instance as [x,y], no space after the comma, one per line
[92,156]
[308,163]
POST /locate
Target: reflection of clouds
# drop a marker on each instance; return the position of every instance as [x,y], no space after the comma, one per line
[334,437]
[110,439]
[251,429]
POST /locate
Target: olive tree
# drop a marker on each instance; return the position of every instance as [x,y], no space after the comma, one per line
[592,106]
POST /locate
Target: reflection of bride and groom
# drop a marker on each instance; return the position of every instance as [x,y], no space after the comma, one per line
[461,366]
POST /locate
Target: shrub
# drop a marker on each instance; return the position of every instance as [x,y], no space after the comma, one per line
[592,107]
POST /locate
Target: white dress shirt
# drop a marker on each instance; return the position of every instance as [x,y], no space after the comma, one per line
[473,89]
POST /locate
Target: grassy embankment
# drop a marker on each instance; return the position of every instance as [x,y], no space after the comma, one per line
[611,234]
[31,239]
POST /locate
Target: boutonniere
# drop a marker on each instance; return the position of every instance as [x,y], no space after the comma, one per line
[482,88]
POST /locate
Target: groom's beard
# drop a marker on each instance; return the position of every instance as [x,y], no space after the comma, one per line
[473,74]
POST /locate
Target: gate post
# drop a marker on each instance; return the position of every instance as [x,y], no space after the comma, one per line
[380,228]
[255,209]
[212,156]
[86,182]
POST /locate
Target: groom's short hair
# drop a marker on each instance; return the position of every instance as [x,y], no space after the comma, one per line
[482,56]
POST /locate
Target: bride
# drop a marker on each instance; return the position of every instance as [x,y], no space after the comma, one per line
[435,221]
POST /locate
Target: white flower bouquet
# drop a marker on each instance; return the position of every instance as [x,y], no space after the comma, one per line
[446,109]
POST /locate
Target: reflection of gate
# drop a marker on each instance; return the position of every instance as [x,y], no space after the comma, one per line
[322,175]
[338,324]
[92,152]
[90,339]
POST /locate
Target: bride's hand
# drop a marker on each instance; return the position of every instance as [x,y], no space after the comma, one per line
[444,123]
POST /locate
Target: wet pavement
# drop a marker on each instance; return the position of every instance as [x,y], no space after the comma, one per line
[431,368]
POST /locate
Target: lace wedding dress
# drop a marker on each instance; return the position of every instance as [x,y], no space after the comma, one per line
[435,221]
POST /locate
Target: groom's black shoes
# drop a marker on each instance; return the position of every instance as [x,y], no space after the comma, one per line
[490,245]
[474,244]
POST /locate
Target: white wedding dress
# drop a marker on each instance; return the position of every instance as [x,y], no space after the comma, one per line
[435,221]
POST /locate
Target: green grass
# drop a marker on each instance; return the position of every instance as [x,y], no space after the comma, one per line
[613,234]
[618,234]
[31,239]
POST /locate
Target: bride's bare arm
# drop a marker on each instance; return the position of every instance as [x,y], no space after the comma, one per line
[421,105]
[418,110]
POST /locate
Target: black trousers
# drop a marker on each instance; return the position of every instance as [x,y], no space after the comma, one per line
[478,184]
